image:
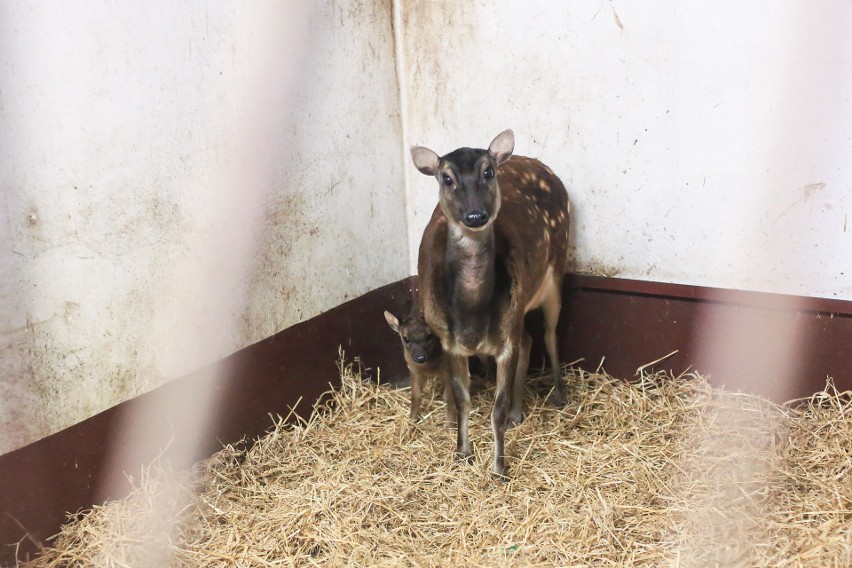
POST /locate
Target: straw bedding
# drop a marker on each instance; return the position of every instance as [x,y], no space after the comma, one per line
[660,471]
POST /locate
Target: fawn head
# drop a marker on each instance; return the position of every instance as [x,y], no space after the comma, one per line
[420,344]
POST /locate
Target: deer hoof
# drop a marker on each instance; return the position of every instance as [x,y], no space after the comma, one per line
[515,418]
[500,475]
[466,457]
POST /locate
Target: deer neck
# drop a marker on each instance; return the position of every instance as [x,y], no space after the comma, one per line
[471,259]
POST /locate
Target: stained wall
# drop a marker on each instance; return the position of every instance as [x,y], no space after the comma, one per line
[701,143]
[180,181]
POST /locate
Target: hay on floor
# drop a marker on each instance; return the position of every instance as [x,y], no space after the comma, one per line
[657,472]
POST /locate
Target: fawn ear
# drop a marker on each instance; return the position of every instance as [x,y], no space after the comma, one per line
[392,321]
[425,160]
[502,146]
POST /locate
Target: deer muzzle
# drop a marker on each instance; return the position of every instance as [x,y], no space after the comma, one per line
[475,219]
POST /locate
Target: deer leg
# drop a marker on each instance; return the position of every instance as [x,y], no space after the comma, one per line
[516,414]
[452,418]
[460,374]
[416,394]
[507,365]
[551,307]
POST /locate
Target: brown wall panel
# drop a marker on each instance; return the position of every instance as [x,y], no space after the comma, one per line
[778,346]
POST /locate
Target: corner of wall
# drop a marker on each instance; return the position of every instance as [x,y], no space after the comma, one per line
[399,55]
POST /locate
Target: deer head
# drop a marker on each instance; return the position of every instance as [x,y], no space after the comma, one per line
[467,180]
[420,344]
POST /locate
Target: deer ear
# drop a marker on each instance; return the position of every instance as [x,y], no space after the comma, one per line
[502,146]
[392,321]
[425,160]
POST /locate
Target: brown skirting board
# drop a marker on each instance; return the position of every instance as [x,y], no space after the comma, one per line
[781,347]
[614,323]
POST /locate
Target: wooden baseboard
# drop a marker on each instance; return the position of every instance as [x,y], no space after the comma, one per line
[624,323]
[781,347]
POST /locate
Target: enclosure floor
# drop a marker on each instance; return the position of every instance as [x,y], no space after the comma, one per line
[659,472]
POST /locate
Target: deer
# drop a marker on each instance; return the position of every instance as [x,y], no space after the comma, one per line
[494,249]
[424,358]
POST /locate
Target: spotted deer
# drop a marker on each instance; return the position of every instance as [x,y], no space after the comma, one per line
[425,360]
[494,249]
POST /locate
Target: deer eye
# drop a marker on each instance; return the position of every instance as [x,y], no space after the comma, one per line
[488,174]
[406,340]
[448,181]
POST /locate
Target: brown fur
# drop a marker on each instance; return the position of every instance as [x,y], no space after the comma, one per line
[419,341]
[479,280]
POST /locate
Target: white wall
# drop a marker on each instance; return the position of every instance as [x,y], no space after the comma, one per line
[704,143]
[180,180]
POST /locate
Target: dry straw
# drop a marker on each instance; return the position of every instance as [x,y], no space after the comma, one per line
[659,472]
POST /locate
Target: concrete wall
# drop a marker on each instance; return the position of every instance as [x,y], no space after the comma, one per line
[180,181]
[702,143]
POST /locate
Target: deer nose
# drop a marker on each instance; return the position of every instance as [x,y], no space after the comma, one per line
[421,358]
[475,219]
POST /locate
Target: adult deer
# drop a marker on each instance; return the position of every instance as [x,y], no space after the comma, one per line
[494,249]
